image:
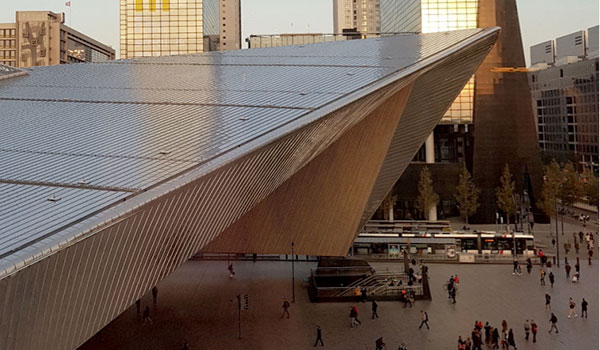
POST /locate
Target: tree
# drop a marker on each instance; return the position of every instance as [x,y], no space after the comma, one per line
[590,187]
[427,196]
[467,195]
[505,194]
[551,188]
[571,189]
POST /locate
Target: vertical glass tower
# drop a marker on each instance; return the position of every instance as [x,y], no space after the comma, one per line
[161,27]
[430,16]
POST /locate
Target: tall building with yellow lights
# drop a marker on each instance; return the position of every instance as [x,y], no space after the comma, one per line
[176,27]
[487,125]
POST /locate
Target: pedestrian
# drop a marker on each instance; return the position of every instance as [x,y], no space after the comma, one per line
[363,294]
[576,247]
[424,319]
[285,306]
[584,305]
[230,268]
[357,293]
[461,343]
[553,241]
[374,309]
[534,330]
[354,321]
[577,266]
[511,339]
[495,338]
[138,305]
[379,344]
[581,236]
[590,255]
[566,246]
[553,320]
[154,295]
[568,270]
[548,298]
[529,265]
[551,278]
[571,308]
[515,264]
[542,277]
[504,326]
[527,327]
[319,336]
[488,332]
[468,343]
[476,336]
[146,316]
[254,256]
[453,294]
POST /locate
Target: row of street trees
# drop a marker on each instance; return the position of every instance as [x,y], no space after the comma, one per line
[562,186]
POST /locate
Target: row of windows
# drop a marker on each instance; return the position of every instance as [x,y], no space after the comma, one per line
[8,53]
[8,33]
[8,44]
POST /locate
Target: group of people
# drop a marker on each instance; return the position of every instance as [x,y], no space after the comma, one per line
[488,335]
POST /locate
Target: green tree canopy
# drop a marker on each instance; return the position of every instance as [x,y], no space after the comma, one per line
[571,186]
[467,195]
[427,196]
[590,187]
[551,188]
[505,194]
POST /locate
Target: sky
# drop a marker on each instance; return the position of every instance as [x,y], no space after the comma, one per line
[540,20]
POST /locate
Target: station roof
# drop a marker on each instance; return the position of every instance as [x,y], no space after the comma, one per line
[80,138]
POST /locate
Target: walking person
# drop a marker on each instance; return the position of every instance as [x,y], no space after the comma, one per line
[590,255]
[146,316]
[495,338]
[553,320]
[374,309]
[511,340]
[379,344]
[154,295]
[230,268]
[138,305]
[354,321]
[527,327]
[529,266]
[584,305]
[548,298]
[488,332]
[285,306]
[453,294]
[424,319]
[515,265]
[534,330]
[551,278]
[542,277]
[319,336]
[568,270]
[571,308]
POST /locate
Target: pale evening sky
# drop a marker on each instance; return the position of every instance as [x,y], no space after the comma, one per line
[540,20]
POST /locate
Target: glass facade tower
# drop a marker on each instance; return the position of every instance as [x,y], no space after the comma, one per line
[430,16]
[161,27]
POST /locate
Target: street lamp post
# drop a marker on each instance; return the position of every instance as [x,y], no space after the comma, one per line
[293,284]
[557,245]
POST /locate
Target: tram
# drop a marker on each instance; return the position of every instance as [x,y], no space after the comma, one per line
[393,245]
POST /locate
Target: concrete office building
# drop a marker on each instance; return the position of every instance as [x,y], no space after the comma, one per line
[40,38]
[487,126]
[564,91]
[108,188]
[174,27]
[360,15]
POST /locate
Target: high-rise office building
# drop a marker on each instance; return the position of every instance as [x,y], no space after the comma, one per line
[175,27]
[489,124]
[40,38]
[361,15]
[564,89]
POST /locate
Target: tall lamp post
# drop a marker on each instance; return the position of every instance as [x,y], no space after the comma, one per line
[557,245]
[293,285]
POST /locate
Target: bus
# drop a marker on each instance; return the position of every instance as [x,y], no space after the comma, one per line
[394,245]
